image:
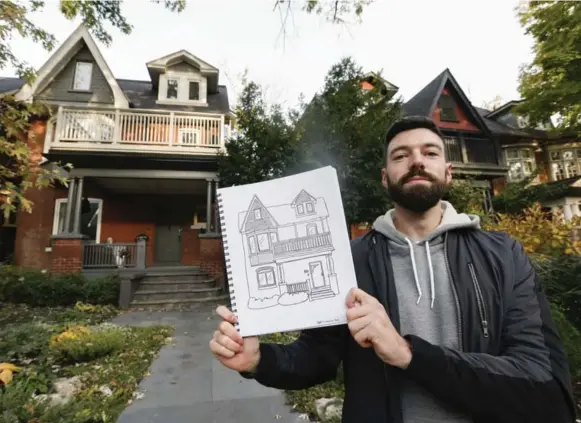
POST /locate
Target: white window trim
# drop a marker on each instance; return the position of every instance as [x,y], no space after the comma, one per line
[184,79]
[59,203]
[575,148]
[73,88]
[520,159]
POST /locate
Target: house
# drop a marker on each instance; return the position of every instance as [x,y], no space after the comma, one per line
[289,252]
[141,188]
[556,160]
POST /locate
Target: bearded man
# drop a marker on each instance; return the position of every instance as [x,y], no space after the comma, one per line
[449,322]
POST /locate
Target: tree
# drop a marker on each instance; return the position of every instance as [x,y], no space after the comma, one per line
[344,127]
[551,83]
[19,169]
[335,11]
[265,145]
[493,104]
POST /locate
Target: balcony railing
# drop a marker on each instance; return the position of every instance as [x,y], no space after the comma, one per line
[470,150]
[155,130]
[302,245]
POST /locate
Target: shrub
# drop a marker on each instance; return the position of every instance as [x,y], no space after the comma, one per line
[41,289]
[80,344]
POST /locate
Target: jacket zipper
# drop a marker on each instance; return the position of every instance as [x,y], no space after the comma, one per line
[454,290]
[479,300]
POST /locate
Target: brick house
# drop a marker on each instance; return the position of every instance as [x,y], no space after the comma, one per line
[144,156]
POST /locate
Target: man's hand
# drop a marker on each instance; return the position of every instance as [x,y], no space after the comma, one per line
[370,326]
[233,351]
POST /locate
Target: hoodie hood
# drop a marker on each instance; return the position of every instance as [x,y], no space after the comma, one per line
[451,219]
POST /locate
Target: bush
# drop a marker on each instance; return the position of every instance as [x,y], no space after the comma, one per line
[80,344]
[36,288]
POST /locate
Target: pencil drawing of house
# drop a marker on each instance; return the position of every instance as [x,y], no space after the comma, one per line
[288,250]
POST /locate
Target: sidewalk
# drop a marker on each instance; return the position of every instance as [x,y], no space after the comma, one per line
[188,385]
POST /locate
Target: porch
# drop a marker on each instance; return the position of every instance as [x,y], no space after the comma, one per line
[135,130]
[135,220]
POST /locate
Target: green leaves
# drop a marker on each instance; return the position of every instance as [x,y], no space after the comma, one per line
[551,83]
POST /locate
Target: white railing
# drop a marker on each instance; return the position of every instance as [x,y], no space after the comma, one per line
[144,130]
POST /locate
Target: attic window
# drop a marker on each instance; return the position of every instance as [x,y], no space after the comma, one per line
[257,214]
[172,88]
[82,78]
[447,110]
[194,93]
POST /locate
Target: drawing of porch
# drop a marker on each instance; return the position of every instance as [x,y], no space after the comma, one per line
[309,244]
[314,275]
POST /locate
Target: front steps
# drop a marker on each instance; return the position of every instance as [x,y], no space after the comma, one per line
[319,294]
[177,285]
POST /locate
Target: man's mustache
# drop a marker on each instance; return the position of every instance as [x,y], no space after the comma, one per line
[416,172]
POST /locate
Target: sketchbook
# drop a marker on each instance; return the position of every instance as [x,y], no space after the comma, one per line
[287,252]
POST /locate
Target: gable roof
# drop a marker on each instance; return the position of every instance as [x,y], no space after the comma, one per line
[303,197]
[424,102]
[60,59]
[181,56]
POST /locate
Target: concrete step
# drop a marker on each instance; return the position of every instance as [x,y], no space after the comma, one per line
[155,295]
[162,303]
[318,295]
[158,284]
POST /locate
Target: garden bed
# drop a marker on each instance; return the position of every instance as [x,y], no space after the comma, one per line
[72,366]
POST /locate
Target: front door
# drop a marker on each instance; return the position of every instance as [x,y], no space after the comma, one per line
[168,244]
[317,276]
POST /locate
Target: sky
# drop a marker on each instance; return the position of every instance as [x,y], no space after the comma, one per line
[410,41]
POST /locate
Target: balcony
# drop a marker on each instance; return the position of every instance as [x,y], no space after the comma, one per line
[302,245]
[154,131]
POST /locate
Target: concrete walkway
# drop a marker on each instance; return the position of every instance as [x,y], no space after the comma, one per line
[187,384]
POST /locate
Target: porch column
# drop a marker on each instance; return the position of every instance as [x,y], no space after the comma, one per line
[216,213]
[209,207]
[70,197]
[79,197]
[567,212]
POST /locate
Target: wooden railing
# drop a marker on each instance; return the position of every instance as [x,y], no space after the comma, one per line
[294,288]
[129,130]
[302,244]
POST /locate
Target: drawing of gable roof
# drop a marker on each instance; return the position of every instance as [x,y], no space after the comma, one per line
[285,214]
[248,221]
[303,197]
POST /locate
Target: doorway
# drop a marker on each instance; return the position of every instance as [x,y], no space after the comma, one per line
[317,275]
[168,244]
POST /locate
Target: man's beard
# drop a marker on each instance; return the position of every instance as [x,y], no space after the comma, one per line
[417,198]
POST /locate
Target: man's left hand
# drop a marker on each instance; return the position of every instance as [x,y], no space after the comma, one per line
[370,326]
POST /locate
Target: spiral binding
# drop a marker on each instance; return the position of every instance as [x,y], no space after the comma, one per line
[227,259]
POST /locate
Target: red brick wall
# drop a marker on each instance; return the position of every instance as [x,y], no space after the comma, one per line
[66,256]
[212,257]
[190,246]
[359,229]
[464,123]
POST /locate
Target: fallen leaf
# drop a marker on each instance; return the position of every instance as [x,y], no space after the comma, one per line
[9,366]
[6,376]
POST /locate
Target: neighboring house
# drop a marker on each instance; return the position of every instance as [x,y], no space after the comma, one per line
[557,160]
[144,157]
[289,252]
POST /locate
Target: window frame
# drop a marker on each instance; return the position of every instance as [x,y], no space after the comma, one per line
[79,64]
[56,214]
[520,159]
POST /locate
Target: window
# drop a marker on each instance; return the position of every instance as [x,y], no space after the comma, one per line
[265,277]
[273,237]
[257,214]
[194,93]
[172,89]
[312,229]
[565,163]
[252,244]
[82,78]
[310,207]
[521,163]
[263,243]
[300,209]
[447,109]
[90,218]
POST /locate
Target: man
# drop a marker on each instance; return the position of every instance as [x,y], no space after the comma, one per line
[477,341]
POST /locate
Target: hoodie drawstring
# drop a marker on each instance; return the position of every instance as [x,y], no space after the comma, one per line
[431,270]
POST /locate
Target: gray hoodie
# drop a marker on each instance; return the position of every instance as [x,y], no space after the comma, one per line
[426,301]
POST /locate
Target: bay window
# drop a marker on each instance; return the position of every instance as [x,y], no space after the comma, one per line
[521,163]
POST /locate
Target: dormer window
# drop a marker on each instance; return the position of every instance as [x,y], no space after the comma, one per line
[309,207]
[194,90]
[300,209]
[172,89]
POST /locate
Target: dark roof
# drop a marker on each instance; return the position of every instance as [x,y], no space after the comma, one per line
[424,102]
[10,84]
[509,125]
[563,188]
[142,96]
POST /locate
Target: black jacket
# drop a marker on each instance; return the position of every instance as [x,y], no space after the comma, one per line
[511,367]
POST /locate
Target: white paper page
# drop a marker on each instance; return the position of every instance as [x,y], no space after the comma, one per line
[289,252]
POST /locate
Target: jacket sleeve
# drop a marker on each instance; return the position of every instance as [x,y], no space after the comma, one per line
[527,382]
[313,358]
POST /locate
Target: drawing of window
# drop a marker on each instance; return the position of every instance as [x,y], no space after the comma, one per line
[273,237]
[257,214]
[252,244]
[263,243]
[265,276]
[310,207]
[301,209]
[312,229]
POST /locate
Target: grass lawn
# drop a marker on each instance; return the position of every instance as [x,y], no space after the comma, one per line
[49,344]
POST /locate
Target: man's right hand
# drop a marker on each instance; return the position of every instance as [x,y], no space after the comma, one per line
[233,351]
